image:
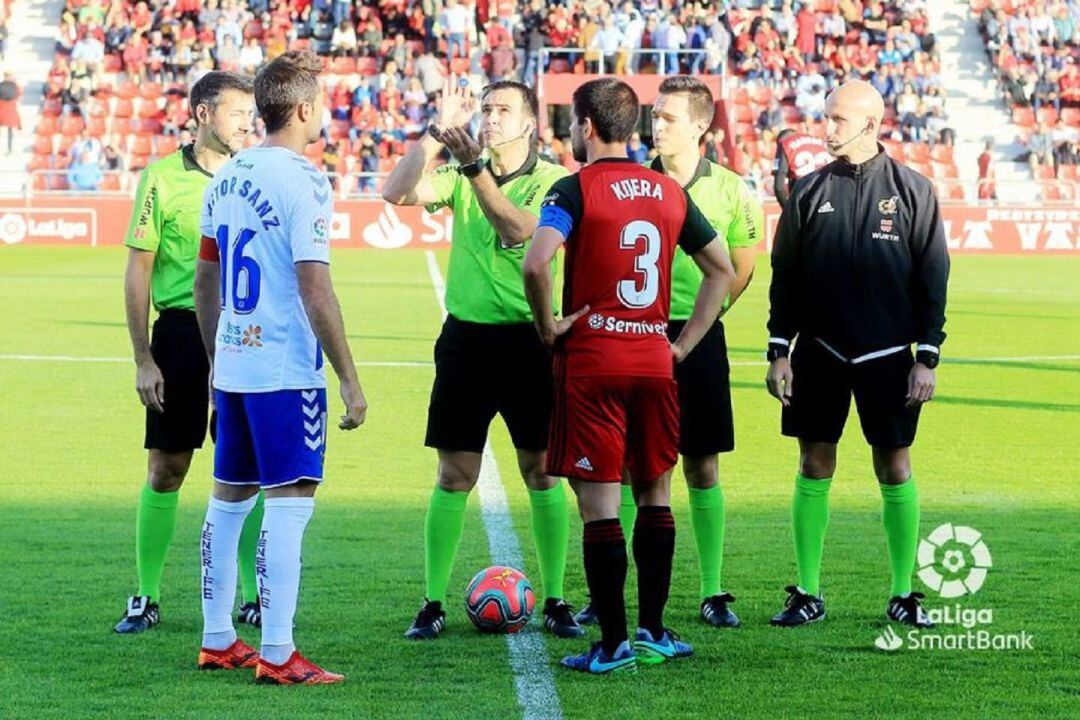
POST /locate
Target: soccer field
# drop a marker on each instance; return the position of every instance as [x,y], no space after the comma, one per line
[997,451]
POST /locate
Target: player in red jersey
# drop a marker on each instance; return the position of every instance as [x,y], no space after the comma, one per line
[615,403]
[797,155]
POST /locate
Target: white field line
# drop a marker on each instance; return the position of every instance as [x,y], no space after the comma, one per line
[533,677]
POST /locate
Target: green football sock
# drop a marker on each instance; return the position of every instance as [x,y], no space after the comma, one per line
[154,526]
[809,521]
[900,516]
[707,519]
[627,512]
[551,531]
[249,543]
[442,534]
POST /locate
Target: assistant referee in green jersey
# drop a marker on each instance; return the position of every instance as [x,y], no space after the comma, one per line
[171,366]
[488,358]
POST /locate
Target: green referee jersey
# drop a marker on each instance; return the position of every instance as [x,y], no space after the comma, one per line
[484,283]
[734,214]
[168,205]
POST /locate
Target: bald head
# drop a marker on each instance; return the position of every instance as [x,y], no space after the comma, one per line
[854,112]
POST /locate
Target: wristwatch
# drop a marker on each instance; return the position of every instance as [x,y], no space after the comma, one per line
[927,357]
[472,169]
[777,350]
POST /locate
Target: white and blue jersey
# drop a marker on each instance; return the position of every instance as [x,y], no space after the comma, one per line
[267,209]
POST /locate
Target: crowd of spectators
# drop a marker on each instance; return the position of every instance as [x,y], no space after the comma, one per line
[1034,48]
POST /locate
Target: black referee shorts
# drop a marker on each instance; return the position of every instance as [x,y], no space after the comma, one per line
[482,370]
[177,348]
[706,425]
[821,397]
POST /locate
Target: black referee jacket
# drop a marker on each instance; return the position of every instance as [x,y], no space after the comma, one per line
[860,261]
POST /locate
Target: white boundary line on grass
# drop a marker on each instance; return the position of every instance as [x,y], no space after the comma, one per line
[408,363]
[533,677]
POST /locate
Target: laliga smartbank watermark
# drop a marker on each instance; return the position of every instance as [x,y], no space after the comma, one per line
[953,562]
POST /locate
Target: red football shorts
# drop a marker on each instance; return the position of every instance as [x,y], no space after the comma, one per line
[601,424]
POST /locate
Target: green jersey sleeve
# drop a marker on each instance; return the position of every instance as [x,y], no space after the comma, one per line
[748,220]
[144,230]
[443,182]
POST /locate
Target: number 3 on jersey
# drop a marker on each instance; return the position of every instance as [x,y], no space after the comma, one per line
[631,294]
[240,274]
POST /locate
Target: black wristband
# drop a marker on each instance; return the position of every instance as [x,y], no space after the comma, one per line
[472,169]
[776,351]
[929,358]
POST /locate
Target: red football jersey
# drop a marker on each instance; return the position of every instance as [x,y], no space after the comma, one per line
[805,154]
[627,222]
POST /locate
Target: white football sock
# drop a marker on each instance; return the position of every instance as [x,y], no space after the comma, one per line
[277,567]
[218,548]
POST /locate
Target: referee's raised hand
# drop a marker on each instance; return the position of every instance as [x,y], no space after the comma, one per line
[150,385]
[457,105]
[780,380]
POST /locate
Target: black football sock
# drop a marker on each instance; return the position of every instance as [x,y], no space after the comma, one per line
[604,548]
[654,548]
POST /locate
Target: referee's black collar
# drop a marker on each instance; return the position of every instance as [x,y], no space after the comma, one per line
[190,163]
[525,169]
[872,165]
[703,169]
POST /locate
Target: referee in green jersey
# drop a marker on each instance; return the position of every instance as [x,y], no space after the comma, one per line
[682,114]
[488,359]
[171,366]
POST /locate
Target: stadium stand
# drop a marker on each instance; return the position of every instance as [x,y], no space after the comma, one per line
[118,83]
[1034,48]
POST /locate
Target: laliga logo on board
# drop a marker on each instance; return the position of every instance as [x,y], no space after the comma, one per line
[12,228]
[954,549]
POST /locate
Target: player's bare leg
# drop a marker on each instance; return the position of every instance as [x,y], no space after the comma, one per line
[551,531]
[900,518]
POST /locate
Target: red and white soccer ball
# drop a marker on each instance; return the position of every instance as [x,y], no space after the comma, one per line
[500,599]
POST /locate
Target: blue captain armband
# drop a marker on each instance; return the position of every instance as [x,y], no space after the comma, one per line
[557,218]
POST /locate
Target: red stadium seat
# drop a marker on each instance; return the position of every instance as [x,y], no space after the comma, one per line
[1047,115]
[138,162]
[58,181]
[120,126]
[64,143]
[142,145]
[149,109]
[52,107]
[166,145]
[744,114]
[99,108]
[367,66]
[344,66]
[1071,116]
[72,125]
[96,126]
[124,108]
[127,90]
[113,64]
[942,153]
[150,91]
[1069,172]
[41,181]
[43,145]
[1023,116]
[1044,172]
[110,182]
[148,126]
[945,170]
[39,161]
[918,152]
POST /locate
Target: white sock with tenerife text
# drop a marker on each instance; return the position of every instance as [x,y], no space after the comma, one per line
[218,547]
[278,570]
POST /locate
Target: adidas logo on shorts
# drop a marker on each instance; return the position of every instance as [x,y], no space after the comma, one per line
[584,464]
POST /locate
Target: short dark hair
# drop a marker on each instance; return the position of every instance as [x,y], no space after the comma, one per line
[285,82]
[528,95]
[784,133]
[207,91]
[611,105]
[702,105]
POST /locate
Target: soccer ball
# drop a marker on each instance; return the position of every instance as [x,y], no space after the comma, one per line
[500,599]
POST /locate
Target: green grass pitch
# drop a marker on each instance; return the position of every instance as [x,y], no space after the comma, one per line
[997,451]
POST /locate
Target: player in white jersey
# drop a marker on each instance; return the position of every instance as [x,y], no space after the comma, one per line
[267,310]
